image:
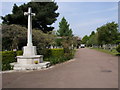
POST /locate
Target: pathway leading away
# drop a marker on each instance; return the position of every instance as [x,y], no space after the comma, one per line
[89,69]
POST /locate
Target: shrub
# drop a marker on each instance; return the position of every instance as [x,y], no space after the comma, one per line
[56,52]
[19,53]
[57,56]
[118,48]
[53,55]
[9,57]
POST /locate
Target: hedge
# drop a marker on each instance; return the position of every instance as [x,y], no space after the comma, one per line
[53,55]
[57,56]
[19,53]
[9,57]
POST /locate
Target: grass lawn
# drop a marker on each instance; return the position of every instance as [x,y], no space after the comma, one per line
[112,52]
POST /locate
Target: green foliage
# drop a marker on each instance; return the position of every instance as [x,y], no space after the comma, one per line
[108,34]
[14,37]
[53,55]
[41,41]
[65,37]
[118,39]
[112,52]
[56,52]
[58,41]
[118,48]
[85,39]
[92,33]
[92,40]
[9,57]
[64,29]
[75,42]
[66,43]
[56,56]
[45,15]
[19,53]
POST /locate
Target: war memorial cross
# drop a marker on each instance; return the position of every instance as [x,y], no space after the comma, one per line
[29,35]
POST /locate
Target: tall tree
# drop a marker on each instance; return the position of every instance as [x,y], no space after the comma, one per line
[92,40]
[64,29]
[46,15]
[92,33]
[108,33]
[85,39]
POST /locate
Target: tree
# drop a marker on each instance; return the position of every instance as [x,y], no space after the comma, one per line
[108,34]
[11,35]
[92,40]
[15,37]
[45,15]
[85,39]
[118,39]
[64,29]
[118,48]
[92,33]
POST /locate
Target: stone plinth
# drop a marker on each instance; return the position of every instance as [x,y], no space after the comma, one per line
[38,66]
[29,51]
[28,63]
[29,59]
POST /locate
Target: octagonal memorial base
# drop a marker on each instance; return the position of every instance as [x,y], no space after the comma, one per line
[30,63]
[38,66]
[29,59]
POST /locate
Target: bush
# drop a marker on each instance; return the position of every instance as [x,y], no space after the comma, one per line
[19,53]
[118,48]
[9,57]
[57,56]
[56,52]
[53,55]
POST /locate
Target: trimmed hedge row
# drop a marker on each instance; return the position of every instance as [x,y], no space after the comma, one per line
[57,56]
[9,57]
[53,55]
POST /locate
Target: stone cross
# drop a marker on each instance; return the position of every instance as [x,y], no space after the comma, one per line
[29,35]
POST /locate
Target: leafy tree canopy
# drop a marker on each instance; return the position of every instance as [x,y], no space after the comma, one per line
[85,39]
[92,33]
[45,15]
[15,37]
[108,33]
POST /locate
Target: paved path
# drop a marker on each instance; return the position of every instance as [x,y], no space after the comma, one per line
[90,69]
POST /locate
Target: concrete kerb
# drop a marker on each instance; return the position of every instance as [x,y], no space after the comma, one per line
[11,71]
